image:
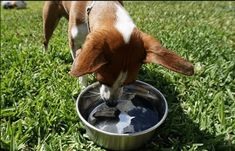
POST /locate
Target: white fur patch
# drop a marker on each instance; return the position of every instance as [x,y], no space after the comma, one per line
[74,31]
[116,90]
[105,92]
[79,32]
[124,23]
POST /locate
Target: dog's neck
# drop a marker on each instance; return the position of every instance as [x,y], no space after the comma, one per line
[88,10]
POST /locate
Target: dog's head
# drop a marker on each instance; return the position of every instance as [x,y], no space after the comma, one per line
[117,63]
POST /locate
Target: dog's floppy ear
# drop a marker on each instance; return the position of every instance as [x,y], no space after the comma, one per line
[90,58]
[155,53]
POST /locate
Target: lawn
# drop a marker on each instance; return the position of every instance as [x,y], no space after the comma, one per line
[38,95]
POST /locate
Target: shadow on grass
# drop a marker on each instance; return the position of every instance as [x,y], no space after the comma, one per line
[179,132]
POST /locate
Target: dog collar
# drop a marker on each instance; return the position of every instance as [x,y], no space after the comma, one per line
[88,10]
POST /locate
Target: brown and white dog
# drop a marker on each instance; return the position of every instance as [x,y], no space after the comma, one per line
[113,47]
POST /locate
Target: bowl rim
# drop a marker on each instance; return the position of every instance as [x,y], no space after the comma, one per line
[86,123]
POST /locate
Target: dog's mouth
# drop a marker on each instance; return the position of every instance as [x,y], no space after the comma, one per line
[111,95]
[111,103]
[121,85]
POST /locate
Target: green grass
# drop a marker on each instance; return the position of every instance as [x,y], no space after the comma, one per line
[38,95]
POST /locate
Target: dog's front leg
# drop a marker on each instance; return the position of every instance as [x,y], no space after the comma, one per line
[73,38]
[77,34]
[83,80]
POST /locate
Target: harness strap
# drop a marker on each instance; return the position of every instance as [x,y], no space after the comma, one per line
[88,10]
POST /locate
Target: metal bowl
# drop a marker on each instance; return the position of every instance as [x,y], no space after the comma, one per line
[89,99]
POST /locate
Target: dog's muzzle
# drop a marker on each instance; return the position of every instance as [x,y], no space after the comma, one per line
[110,95]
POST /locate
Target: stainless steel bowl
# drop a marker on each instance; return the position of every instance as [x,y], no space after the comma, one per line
[89,98]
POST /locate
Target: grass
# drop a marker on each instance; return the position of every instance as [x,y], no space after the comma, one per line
[38,95]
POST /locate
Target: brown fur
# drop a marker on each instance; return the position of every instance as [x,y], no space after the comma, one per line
[104,51]
[53,11]
[111,56]
[160,55]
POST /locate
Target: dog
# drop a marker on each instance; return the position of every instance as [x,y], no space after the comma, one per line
[13,4]
[112,46]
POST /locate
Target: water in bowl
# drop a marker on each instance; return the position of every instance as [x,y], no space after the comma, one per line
[129,116]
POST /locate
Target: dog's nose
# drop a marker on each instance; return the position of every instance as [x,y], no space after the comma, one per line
[111,102]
